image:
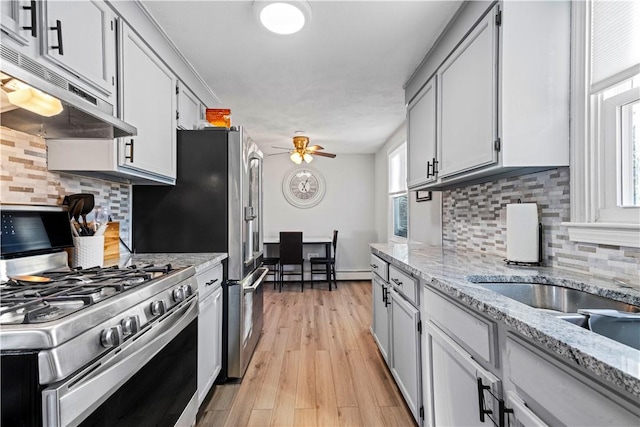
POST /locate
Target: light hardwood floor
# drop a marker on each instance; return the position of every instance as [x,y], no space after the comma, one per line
[316,364]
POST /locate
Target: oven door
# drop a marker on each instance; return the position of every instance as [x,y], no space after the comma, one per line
[151,380]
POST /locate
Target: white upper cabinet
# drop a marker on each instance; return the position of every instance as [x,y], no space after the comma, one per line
[467,102]
[502,94]
[19,23]
[149,104]
[190,109]
[80,37]
[421,136]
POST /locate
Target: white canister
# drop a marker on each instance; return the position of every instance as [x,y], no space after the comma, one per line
[88,251]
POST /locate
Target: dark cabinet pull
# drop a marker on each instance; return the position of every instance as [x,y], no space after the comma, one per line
[504,413]
[58,29]
[211,282]
[397,282]
[435,169]
[385,296]
[130,156]
[373,266]
[34,19]
[482,410]
[429,169]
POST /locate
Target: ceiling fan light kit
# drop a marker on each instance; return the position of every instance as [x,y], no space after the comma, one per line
[302,151]
[282,17]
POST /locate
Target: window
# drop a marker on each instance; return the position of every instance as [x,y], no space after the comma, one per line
[605,164]
[398,197]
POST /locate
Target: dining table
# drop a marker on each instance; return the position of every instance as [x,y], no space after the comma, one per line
[306,240]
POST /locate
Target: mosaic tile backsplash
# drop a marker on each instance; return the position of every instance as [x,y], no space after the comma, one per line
[25,179]
[471,219]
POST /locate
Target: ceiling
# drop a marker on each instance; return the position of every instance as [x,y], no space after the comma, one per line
[339,79]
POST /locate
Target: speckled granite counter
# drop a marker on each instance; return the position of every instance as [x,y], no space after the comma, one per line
[614,363]
[201,261]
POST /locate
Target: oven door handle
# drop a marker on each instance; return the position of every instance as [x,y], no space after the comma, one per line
[256,284]
[69,403]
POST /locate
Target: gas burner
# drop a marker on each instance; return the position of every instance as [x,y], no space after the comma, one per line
[68,291]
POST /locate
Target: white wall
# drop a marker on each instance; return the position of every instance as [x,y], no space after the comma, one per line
[425,218]
[348,206]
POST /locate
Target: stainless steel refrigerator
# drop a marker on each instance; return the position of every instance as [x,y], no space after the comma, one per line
[215,206]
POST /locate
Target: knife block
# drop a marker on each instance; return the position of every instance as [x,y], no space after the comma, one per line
[112,241]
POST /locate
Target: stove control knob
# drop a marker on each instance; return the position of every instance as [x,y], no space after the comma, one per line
[111,337]
[158,308]
[130,325]
[188,290]
[178,294]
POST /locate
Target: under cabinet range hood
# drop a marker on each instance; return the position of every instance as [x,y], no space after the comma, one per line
[83,115]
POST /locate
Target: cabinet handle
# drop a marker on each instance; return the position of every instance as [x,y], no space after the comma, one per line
[34,19]
[503,413]
[435,169]
[130,156]
[373,266]
[211,282]
[482,410]
[429,169]
[385,296]
[397,282]
[58,29]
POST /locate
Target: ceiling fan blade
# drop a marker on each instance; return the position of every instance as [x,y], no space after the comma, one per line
[281,148]
[321,154]
[315,147]
[277,154]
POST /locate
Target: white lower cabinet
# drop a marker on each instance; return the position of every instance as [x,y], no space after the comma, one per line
[542,391]
[209,329]
[380,326]
[405,351]
[459,389]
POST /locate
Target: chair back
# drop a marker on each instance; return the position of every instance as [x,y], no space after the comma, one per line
[291,247]
[334,243]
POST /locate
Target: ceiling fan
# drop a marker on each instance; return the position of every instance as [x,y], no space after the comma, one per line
[302,151]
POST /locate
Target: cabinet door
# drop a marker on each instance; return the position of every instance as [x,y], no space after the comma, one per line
[188,108]
[521,416]
[405,351]
[381,316]
[454,391]
[149,104]
[15,17]
[207,345]
[467,102]
[85,32]
[217,332]
[421,136]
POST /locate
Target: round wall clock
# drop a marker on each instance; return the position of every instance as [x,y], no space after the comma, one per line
[303,187]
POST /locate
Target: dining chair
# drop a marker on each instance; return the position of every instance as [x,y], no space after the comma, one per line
[291,254]
[273,264]
[327,264]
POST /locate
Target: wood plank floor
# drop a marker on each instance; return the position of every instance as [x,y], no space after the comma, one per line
[316,364]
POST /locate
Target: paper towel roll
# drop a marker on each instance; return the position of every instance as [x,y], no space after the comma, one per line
[522,232]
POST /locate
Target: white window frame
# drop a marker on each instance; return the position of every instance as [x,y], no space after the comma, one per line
[591,184]
[392,194]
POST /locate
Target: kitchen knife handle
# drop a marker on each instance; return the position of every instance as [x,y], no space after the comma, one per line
[130,156]
[34,19]
[58,29]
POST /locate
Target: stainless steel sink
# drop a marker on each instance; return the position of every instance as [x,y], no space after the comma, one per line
[565,303]
[556,298]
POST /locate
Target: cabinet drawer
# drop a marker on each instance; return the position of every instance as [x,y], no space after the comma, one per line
[380,267]
[560,396]
[405,284]
[209,280]
[467,329]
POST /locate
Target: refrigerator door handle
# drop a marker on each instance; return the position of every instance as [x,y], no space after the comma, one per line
[256,284]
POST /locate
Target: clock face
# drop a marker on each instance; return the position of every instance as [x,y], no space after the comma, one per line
[303,187]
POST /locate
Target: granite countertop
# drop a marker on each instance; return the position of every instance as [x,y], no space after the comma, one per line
[448,270]
[201,261]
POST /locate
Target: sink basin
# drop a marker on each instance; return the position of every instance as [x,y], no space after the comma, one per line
[565,303]
[556,298]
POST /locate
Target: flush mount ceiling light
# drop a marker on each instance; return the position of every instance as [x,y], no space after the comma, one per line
[282,17]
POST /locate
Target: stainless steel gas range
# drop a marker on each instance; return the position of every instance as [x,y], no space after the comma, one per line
[93,346]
